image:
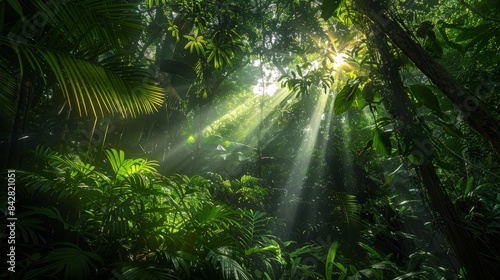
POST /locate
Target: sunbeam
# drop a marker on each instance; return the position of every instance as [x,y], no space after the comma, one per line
[298,175]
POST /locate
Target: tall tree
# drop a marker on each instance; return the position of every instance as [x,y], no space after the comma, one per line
[479,119]
[386,22]
[399,104]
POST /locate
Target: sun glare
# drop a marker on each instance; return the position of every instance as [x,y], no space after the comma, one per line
[268,89]
[268,82]
[339,60]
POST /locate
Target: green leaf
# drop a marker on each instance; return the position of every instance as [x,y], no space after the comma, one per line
[345,98]
[372,251]
[329,7]
[231,269]
[299,70]
[144,271]
[68,261]
[116,159]
[359,102]
[451,130]
[92,88]
[425,95]
[330,260]
[382,142]
[391,176]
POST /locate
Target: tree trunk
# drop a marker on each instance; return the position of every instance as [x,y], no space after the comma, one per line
[446,217]
[477,117]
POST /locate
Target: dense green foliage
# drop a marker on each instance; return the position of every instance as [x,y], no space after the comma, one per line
[263,139]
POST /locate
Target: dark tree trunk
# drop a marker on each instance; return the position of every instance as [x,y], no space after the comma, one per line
[477,117]
[446,217]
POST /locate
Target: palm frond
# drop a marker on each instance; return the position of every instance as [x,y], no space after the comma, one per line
[230,268]
[215,216]
[84,23]
[67,261]
[349,207]
[173,99]
[254,227]
[30,229]
[143,271]
[180,260]
[91,88]
[84,51]
[127,168]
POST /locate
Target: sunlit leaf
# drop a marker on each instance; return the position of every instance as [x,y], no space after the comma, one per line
[330,259]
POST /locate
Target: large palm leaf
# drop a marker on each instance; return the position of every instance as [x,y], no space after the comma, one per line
[84,50]
[67,261]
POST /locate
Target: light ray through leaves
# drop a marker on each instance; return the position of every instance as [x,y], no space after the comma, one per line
[298,175]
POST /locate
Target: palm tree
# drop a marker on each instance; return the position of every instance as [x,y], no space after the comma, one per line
[80,57]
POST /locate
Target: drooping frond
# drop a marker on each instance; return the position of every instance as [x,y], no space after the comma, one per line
[143,271]
[95,89]
[67,261]
[229,267]
[85,51]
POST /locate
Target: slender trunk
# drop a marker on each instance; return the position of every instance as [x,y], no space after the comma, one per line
[446,216]
[477,117]
[20,122]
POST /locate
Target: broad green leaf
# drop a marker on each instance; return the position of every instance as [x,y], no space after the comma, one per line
[425,95]
[359,102]
[382,142]
[345,98]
